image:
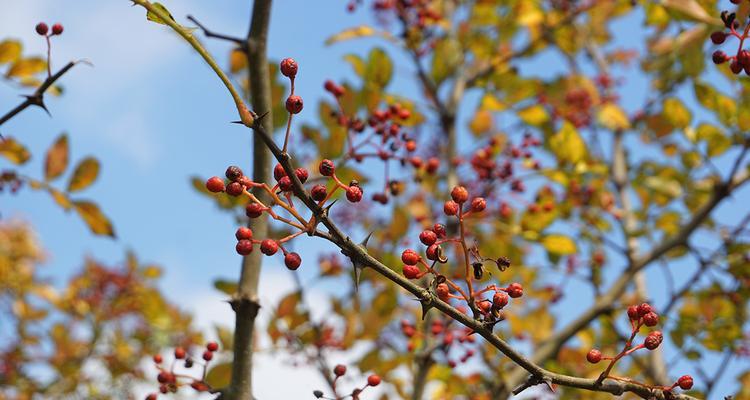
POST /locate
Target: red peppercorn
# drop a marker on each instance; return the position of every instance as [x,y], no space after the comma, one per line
[212,346]
[651,319]
[288,67]
[633,313]
[215,184]
[644,309]
[653,340]
[285,184]
[292,261]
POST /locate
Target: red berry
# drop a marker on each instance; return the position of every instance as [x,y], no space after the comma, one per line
[410,146]
[208,355]
[651,319]
[157,359]
[428,237]
[339,370]
[319,192]
[515,290]
[410,257]
[633,313]
[244,247]
[302,174]
[285,184]
[212,346]
[411,271]
[152,396]
[718,37]
[326,168]
[278,172]
[644,309]
[500,300]
[653,340]
[179,353]
[292,261]
[294,104]
[288,67]
[245,181]
[199,386]
[450,207]
[439,230]
[234,189]
[719,57]
[164,389]
[233,173]
[253,210]
[373,380]
[459,194]
[685,382]
[443,291]
[432,252]
[333,88]
[594,356]
[163,377]
[735,67]
[215,184]
[42,28]
[478,204]
[354,194]
[243,233]
[269,247]
[432,165]
[57,29]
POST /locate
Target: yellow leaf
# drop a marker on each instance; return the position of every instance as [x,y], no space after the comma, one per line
[568,145]
[220,375]
[717,142]
[612,117]
[57,158]
[559,244]
[691,9]
[98,223]
[533,115]
[676,113]
[14,151]
[287,305]
[10,50]
[60,198]
[25,67]
[237,61]
[357,32]
[481,123]
[84,174]
[151,272]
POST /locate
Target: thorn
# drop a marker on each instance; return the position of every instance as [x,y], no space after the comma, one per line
[258,117]
[363,243]
[237,122]
[426,306]
[327,208]
[357,275]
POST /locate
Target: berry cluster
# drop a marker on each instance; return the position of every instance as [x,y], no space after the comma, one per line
[10,179]
[449,339]
[379,136]
[339,371]
[740,60]
[171,381]
[415,266]
[240,184]
[43,29]
[639,316]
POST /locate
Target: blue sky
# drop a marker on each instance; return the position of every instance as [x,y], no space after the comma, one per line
[154,114]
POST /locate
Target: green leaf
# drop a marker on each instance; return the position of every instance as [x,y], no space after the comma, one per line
[612,117]
[676,113]
[379,69]
[97,222]
[358,64]
[220,375]
[446,59]
[568,145]
[225,286]
[57,158]
[717,142]
[14,151]
[84,174]
[154,17]
[559,244]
